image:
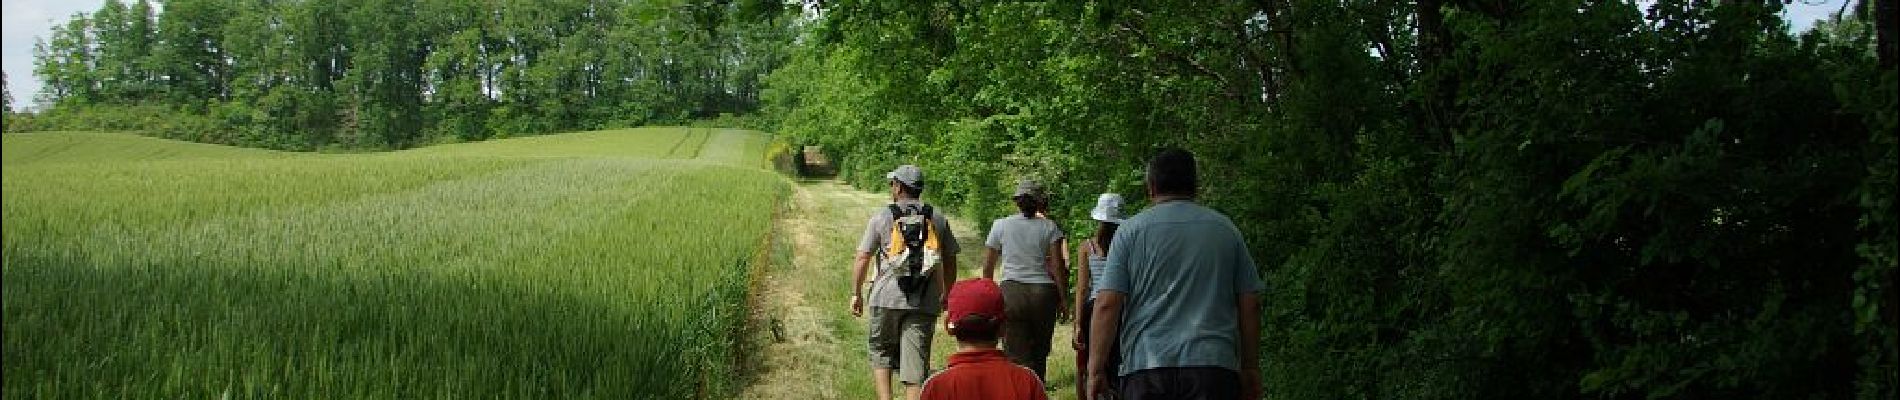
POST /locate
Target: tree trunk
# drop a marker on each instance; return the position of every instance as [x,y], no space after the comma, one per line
[1431,110]
[1885,16]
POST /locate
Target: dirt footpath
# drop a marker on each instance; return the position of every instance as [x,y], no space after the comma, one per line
[810,346]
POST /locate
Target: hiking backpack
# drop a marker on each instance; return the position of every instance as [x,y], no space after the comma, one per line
[912,255]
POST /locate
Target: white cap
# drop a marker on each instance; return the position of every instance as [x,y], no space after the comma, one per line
[1108,208]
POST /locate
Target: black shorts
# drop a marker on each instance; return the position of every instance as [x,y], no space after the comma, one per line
[1180,383]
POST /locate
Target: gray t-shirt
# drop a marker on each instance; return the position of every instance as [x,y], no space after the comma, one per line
[1182,267]
[1024,243]
[884,291]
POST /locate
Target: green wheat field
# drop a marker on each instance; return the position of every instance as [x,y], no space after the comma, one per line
[610,264]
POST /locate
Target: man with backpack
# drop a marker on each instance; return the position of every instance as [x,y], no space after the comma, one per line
[915,254]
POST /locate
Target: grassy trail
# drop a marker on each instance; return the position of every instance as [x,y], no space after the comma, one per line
[810,346]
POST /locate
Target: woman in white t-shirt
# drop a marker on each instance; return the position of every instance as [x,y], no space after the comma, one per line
[1029,247]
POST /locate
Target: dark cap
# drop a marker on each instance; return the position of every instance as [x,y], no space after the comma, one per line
[907,174]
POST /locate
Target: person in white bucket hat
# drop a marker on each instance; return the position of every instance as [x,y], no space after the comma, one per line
[1094,256]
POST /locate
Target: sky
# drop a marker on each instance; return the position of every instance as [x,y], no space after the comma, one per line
[22,22]
[26,21]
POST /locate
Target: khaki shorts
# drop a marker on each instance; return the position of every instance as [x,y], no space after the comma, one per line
[900,340]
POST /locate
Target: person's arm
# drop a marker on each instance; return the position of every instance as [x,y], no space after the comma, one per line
[990,254]
[1062,253]
[949,277]
[1104,330]
[1247,288]
[1084,277]
[1062,259]
[947,244]
[1249,344]
[1081,295]
[1059,273]
[866,244]
[858,269]
[993,250]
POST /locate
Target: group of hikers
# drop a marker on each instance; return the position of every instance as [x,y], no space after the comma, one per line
[1165,301]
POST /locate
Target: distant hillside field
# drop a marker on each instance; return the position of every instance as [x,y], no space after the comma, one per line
[54,147]
[610,264]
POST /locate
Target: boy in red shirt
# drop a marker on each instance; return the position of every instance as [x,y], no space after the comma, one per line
[978,370]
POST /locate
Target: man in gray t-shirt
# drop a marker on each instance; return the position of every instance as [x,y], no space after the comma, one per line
[1179,299]
[901,324]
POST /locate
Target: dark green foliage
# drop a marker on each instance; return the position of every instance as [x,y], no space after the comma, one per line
[1461,199]
[394,74]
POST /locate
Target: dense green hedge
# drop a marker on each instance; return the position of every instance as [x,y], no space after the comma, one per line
[1462,199]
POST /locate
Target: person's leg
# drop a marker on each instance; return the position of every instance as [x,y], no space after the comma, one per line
[1040,321]
[1016,327]
[882,346]
[881,379]
[914,357]
[1052,300]
[1082,353]
[1081,374]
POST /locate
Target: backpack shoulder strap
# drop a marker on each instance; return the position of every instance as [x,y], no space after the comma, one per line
[930,228]
[895,242]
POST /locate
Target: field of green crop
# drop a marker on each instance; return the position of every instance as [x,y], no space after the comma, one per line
[607,264]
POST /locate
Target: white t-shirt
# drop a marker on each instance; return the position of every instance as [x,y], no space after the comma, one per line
[1025,245]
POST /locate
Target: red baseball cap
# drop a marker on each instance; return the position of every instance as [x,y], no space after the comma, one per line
[975,296]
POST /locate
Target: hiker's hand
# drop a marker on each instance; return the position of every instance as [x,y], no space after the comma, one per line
[857,306]
[1076,342]
[1062,311]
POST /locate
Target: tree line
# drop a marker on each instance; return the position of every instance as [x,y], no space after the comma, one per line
[303,74]
[1448,198]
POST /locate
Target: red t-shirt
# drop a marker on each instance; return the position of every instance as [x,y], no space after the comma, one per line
[983,374]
